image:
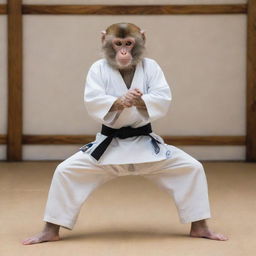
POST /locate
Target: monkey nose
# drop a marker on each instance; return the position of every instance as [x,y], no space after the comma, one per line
[123,52]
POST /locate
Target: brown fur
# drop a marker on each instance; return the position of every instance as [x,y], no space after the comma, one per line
[123,30]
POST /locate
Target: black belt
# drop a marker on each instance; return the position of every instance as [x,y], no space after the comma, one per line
[123,133]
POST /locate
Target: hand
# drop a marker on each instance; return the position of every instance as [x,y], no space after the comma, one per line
[132,98]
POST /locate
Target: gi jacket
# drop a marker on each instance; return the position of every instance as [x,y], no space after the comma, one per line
[103,86]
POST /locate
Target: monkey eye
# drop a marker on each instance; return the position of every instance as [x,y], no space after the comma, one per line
[118,43]
[128,43]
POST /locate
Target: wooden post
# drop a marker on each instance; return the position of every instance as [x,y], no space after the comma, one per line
[251,82]
[14,137]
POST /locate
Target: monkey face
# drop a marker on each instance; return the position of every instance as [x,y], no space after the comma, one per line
[123,48]
[123,45]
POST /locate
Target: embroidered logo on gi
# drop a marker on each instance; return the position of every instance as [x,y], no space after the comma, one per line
[168,154]
[86,147]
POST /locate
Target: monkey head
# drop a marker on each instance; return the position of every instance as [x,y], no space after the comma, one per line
[123,45]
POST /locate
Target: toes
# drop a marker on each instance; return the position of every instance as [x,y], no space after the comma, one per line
[32,240]
[210,235]
[27,241]
[218,237]
[222,237]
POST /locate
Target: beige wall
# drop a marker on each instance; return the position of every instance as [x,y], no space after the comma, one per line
[203,57]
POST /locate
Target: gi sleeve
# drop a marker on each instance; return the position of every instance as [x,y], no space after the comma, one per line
[97,102]
[158,97]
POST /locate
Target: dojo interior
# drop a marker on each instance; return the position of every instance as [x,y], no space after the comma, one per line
[207,50]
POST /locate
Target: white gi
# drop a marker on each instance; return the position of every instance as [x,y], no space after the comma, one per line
[172,169]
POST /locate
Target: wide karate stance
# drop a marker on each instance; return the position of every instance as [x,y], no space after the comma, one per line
[125,92]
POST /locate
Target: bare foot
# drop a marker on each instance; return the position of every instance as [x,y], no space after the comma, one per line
[50,233]
[200,229]
[41,237]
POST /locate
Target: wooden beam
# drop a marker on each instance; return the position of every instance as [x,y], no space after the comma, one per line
[135,9]
[3,9]
[251,82]
[173,140]
[14,146]
[3,139]
[57,139]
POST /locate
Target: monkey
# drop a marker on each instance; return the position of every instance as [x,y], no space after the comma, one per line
[126,118]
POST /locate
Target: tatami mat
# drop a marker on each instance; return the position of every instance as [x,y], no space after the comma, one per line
[129,215]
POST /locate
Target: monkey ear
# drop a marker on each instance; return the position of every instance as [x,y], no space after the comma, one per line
[103,35]
[143,34]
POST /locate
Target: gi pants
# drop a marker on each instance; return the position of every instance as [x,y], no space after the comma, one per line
[181,175]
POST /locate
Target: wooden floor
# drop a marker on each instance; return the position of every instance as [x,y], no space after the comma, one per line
[128,216]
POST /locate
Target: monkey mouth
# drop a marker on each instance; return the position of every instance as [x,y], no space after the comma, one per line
[124,62]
